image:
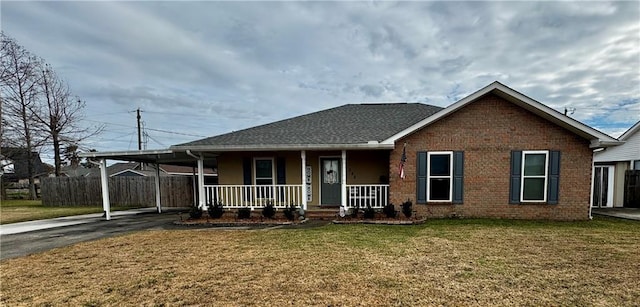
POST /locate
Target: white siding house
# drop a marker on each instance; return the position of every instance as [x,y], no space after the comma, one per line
[610,166]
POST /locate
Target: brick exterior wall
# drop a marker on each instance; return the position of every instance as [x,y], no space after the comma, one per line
[487,130]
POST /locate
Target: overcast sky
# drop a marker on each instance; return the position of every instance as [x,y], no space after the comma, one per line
[199,69]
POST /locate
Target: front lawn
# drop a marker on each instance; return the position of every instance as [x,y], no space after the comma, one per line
[13,211]
[442,262]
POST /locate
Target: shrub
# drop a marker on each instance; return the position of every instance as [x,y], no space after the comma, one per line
[269,211]
[290,212]
[390,211]
[369,212]
[195,212]
[354,211]
[244,213]
[406,208]
[215,210]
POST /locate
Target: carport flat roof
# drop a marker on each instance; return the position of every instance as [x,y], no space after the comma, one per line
[163,156]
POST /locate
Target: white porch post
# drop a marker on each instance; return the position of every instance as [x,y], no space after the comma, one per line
[303,155]
[104,180]
[201,202]
[158,204]
[343,180]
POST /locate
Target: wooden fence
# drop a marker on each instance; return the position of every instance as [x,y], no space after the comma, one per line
[175,191]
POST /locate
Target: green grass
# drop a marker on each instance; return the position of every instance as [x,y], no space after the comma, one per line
[14,211]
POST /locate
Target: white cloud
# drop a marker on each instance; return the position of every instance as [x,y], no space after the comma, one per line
[232,65]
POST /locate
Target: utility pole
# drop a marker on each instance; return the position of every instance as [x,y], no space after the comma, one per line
[139,131]
[139,135]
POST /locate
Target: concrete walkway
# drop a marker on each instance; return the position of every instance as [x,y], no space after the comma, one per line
[22,227]
[623,213]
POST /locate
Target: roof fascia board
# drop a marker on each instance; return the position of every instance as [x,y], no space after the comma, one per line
[107,154]
[630,132]
[128,170]
[224,148]
[521,100]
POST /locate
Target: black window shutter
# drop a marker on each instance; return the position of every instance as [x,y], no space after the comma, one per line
[246,170]
[281,171]
[458,176]
[514,184]
[553,192]
[421,178]
[246,174]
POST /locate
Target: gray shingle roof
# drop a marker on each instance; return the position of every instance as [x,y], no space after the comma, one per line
[348,124]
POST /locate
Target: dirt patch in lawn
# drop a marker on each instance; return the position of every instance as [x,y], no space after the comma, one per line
[441,262]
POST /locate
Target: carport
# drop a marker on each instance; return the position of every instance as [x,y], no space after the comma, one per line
[155,157]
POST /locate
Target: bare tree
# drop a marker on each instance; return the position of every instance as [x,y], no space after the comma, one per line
[19,88]
[60,115]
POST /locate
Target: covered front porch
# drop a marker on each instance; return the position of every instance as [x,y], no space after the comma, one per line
[311,179]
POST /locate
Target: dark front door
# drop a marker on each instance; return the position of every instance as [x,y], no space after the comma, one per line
[330,181]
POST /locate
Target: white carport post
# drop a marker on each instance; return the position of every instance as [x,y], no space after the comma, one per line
[158,204]
[343,180]
[104,180]
[303,156]
[201,201]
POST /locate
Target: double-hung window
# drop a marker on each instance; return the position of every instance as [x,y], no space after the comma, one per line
[534,176]
[263,171]
[439,176]
[264,175]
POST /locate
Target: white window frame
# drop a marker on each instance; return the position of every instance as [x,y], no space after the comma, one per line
[255,170]
[450,177]
[546,175]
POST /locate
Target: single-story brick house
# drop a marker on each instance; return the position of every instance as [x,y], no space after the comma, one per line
[496,153]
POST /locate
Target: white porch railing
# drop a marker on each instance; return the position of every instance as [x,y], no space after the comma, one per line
[254,196]
[363,195]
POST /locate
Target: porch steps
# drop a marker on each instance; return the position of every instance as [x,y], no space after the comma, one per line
[321,214]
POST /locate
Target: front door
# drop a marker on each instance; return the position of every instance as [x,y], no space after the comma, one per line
[330,182]
[603,187]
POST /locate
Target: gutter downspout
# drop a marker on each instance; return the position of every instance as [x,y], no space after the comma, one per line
[157,186]
[200,178]
[592,187]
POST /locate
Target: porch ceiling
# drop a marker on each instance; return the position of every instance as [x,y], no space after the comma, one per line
[165,156]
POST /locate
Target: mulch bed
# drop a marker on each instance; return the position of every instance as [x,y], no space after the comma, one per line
[383,221]
[233,221]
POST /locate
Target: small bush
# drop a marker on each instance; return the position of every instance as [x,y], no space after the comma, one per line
[269,211]
[290,212]
[369,212]
[244,213]
[195,212]
[354,212]
[407,208]
[390,211]
[215,210]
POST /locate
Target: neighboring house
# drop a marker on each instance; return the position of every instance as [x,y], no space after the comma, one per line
[617,172]
[15,165]
[496,153]
[210,174]
[75,171]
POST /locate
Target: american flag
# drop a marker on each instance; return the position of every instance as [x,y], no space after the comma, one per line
[403,159]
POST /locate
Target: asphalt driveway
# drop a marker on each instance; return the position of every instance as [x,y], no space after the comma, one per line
[21,239]
[70,231]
